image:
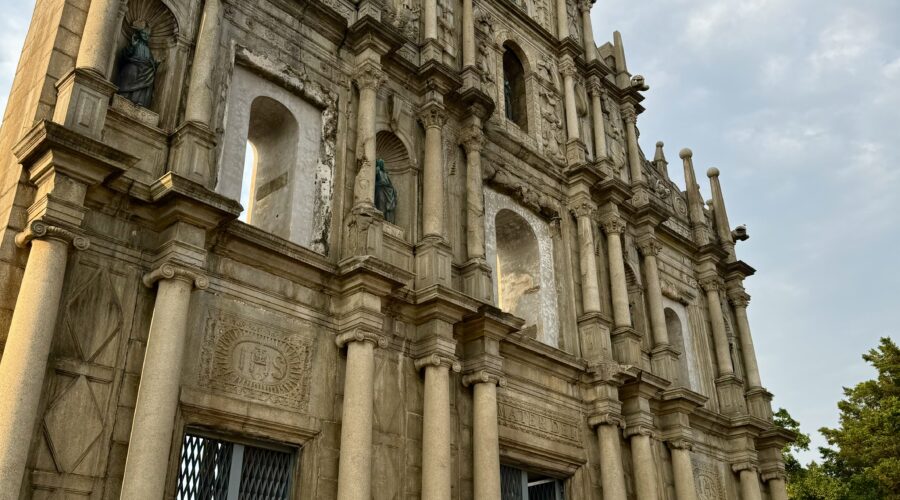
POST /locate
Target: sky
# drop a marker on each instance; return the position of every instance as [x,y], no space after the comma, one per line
[797,102]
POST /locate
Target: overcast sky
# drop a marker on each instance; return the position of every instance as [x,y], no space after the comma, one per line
[798,103]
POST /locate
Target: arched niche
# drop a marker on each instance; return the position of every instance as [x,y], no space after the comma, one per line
[169,47]
[680,339]
[514,85]
[585,126]
[519,249]
[404,174]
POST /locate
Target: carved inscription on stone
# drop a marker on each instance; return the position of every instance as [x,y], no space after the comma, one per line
[255,361]
[546,424]
[708,481]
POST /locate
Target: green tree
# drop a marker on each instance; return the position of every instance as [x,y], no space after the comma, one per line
[864,452]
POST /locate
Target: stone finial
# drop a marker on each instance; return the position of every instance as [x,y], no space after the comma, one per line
[660,155]
[686,154]
[712,172]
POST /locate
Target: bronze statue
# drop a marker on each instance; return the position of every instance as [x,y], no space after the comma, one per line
[385,194]
[137,69]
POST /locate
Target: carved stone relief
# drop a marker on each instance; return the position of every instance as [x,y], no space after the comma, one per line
[255,361]
[527,417]
[708,481]
[403,15]
[447,27]
[552,138]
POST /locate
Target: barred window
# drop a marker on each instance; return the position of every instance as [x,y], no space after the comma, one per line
[216,469]
[517,484]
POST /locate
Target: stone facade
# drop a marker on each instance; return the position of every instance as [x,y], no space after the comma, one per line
[546,305]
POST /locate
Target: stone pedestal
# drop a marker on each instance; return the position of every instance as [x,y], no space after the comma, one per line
[434,259]
[477,281]
[82,102]
[731,395]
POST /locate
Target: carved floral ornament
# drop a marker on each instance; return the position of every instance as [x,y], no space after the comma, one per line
[40,230]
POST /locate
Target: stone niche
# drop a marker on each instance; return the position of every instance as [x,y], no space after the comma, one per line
[275,158]
[520,252]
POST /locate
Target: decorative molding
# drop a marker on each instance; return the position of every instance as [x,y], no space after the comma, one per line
[170,271]
[256,361]
[361,335]
[40,230]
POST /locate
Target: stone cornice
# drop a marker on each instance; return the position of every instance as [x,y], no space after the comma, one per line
[179,199]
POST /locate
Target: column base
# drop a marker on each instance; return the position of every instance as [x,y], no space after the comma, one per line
[82,102]
[626,343]
[433,262]
[365,231]
[731,395]
[192,153]
[595,338]
[759,403]
[477,281]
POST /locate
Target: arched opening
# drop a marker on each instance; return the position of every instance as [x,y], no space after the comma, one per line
[401,172]
[272,139]
[515,101]
[518,269]
[676,340]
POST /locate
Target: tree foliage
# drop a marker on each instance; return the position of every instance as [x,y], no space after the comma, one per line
[862,460]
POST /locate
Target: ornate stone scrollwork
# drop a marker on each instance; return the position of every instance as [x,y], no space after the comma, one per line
[649,248]
[739,298]
[629,114]
[606,419]
[711,284]
[483,377]
[438,360]
[613,224]
[433,115]
[40,230]
[472,140]
[360,335]
[170,271]
[369,75]
[584,209]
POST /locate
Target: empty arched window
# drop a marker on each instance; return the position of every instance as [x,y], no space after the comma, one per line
[676,340]
[518,268]
[515,101]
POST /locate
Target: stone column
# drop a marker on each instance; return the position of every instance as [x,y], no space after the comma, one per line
[716,318]
[157,400]
[429,13]
[740,300]
[683,470]
[355,463]
[590,48]
[473,142]
[99,36]
[600,149]
[368,78]
[777,486]
[200,97]
[629,114]
[614,227]
[749,481]
[567,68]
[433,117]
[436,426]
[28,343]
[645,481]
[562,17]
[590,288]
[468,34]
[650,248]
[612,474]
[485,434]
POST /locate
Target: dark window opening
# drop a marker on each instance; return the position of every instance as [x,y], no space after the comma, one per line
[517,484]
[514,89]
[216,469]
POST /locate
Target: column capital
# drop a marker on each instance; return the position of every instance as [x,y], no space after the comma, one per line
[650,247]
[606,419]
[629,114]
[640,430]
[584,208]
[38,229]
[595,88]
[742,466]
[567,67]
[369,75]
[472,139]
[680,444]
[585,6]
[361,335]
[433,115]
[438,360]
[483,377]
[169,271]
[739,298]
[613,224]
[711,283]
[773,475]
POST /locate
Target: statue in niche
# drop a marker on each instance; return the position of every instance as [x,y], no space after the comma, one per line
[137,68]
[507,99]
[385,194]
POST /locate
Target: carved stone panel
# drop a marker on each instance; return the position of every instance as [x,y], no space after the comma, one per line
[256,361]
[708,480]
[547,424]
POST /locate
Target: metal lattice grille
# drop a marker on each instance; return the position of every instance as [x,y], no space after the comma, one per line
[266,474]
[512,483]
[204,470]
